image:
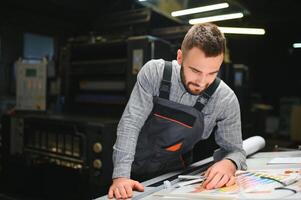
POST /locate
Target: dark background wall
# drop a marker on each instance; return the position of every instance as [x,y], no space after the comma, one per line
[272,62]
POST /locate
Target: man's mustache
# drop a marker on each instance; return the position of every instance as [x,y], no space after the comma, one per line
[194,84]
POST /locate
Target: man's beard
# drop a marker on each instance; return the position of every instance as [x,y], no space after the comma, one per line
[183,79]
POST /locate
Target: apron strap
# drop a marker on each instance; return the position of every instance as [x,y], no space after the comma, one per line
[206,94]
[166,81]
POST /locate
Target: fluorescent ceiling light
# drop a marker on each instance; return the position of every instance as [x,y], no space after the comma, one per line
[199,9]
[249,31]
[216,18]
[297,45]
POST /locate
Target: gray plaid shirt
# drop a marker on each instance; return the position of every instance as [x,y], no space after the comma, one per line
[222,110]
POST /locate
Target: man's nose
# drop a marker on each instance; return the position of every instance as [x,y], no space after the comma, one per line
[201,80]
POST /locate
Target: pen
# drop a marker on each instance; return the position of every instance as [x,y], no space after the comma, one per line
[190,182]
[191,177]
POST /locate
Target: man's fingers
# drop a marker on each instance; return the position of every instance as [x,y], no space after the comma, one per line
[110,195]
[117,194]
[213,181]
[231,181]
[209,178]
[207,171]
[129,191]
[138,186]
[223,181]
[122,192]
[122,188]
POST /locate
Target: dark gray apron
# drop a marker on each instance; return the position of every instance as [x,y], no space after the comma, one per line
[169,134]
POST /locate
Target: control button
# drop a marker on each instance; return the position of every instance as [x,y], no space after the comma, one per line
[97,147]
[97,164]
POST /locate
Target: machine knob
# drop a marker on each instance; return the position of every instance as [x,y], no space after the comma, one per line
[97,147]
[97,164]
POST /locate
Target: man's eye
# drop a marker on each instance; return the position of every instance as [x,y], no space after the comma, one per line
[194,70]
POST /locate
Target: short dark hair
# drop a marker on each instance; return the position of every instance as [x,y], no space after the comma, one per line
[207,37]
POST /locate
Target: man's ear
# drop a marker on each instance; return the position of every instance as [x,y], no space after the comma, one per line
[180,56]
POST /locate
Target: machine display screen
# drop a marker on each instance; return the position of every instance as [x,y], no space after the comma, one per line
[31,72]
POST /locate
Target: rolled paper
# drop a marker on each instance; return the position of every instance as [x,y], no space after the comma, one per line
[250,145]
[253,144]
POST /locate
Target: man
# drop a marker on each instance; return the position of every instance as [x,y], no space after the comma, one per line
[172,107]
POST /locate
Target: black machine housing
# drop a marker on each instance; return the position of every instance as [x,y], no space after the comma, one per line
[55,157]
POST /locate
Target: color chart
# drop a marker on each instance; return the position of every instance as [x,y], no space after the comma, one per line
[259,184]
[251,180]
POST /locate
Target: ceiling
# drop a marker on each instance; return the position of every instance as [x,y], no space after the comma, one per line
[280,19]
[261,11]
[274,11]
[257,12]
[267,14]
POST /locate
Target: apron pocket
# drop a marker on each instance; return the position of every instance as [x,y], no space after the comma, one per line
[166,159]
[177,116]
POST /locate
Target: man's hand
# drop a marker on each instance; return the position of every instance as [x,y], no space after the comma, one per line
[122,188]
[220,174]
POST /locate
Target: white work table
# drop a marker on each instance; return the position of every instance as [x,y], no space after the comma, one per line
[257,161]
